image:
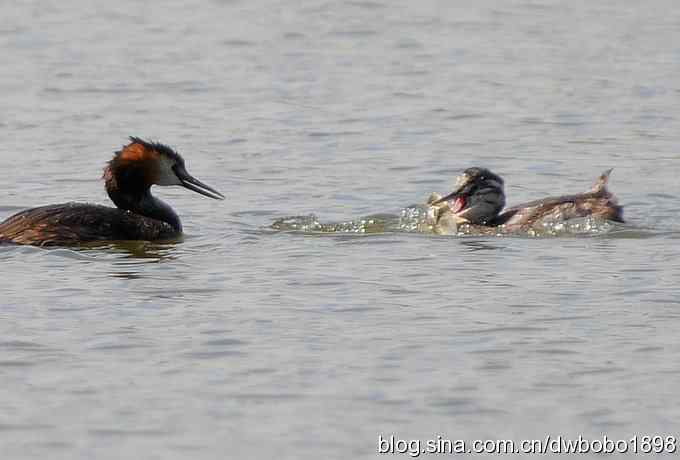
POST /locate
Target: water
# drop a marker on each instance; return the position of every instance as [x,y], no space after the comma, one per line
[241,342]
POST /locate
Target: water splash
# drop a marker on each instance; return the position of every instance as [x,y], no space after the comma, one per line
[582,226]
[413,219]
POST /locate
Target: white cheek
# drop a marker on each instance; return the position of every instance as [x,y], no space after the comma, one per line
[167,175]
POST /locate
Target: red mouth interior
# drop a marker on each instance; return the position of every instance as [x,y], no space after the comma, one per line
[457,204]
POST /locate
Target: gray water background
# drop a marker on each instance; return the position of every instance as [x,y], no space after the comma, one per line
[243,343]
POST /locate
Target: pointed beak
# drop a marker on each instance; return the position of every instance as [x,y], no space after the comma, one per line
[190,182]
[462,187]
[450,196]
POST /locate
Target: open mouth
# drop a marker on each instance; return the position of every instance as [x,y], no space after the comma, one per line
[457,204]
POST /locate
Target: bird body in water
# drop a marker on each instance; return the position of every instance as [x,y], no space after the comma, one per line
[479,198]
[138,216]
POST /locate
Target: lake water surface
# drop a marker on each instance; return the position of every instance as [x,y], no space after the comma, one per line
[245,343]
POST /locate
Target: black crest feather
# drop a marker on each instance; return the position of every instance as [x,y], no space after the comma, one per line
[157,146]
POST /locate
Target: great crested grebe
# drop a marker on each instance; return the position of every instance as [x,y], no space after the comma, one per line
[139,215]
[479,199]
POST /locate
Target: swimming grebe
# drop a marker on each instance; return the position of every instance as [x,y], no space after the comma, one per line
[479,198]
[139,215]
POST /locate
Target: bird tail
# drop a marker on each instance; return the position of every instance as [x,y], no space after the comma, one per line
[600,186]
[612,211]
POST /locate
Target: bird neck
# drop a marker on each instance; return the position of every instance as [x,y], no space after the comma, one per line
[485,203]
[135,196]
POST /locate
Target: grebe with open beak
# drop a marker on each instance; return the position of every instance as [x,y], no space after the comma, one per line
[479,199]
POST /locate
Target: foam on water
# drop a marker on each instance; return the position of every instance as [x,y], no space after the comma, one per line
[413,219]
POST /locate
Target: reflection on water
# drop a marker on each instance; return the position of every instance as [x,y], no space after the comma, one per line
[481,245]
[156,251]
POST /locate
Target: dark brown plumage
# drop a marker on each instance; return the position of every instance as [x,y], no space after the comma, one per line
[72,223]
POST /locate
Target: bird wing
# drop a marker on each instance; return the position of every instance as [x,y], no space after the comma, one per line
[597,202]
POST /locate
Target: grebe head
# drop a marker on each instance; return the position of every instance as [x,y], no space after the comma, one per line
[478,197]
[141,164]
